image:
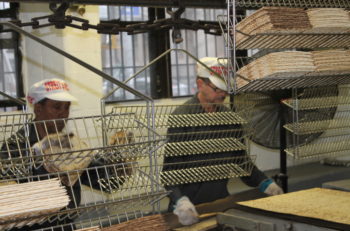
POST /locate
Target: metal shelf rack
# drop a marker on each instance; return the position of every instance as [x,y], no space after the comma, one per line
[197,142]
[296,130]
[333,130]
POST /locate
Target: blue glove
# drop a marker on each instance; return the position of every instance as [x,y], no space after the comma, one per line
[269,187]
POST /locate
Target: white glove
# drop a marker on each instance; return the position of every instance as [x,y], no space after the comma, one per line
[273,189]
[185,211]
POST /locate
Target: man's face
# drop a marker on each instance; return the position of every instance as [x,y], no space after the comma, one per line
[52,110]
[210,93]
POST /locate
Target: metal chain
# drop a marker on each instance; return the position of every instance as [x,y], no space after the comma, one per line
[60,21]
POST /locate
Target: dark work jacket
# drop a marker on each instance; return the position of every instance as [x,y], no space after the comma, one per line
[40,173]
[207,191]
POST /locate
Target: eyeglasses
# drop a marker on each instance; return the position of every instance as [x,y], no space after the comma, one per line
[216,89]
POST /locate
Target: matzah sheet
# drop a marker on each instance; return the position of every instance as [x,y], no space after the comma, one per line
[320,203]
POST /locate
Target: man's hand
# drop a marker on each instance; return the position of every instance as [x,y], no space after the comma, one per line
[269,187]
[186,211]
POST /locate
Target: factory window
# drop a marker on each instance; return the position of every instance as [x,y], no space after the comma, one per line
[123,54]
[9,61]
[198,44]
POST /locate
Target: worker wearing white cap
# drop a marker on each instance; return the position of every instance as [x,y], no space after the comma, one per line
[212,88]
[51,100]
[212,91]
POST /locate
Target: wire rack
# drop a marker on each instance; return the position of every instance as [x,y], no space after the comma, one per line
[11,123]
[333,131]
[296,80]
[294,40]
[293,3]
[76,141]
[187,138]
[130,185]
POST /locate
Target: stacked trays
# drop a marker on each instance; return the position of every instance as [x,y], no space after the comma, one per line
[282,27]
[270,19]
[31,202]
[292,64]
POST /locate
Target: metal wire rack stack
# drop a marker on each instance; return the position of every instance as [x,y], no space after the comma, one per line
[103,207]
[193,134]
[280,115]
[92,155]
[328,120]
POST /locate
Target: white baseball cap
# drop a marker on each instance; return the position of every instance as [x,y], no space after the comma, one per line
[55,89]
[215,75]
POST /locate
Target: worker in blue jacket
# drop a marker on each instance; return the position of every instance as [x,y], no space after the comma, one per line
[212,91]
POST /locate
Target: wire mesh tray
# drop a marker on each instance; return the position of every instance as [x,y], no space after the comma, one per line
[30,200]
[303,128]
[202,146]
[11,123]
[76,141]
[320,149]
[302,80]
[206,170]
[163,116]
[127,196]
[293,3]
[315,103]
[295,40]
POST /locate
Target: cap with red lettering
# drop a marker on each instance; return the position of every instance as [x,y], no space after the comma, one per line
[217,65]
[55,89]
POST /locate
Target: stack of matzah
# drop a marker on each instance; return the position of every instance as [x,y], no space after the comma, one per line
[332,60]
[23,201]
[326,20]
[152,222]
[94,228]
[63,152]
[273,19]
[273,63]
[319,203]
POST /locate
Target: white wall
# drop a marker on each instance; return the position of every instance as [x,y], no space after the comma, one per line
[40,62]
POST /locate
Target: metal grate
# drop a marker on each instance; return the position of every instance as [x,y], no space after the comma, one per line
[293,3]
[296,80]
[295,40]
